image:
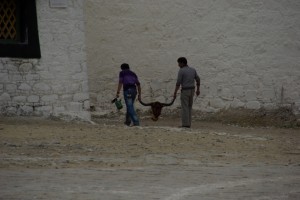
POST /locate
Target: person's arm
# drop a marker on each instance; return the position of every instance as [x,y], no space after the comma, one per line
[119,89]
[176,90]
[139,91]
[197,84]
[138,85]
[198,90]
[178,83]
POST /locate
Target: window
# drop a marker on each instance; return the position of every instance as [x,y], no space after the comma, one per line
[8,20]
[18,29]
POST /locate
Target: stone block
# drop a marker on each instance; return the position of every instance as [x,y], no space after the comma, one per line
[25,110]
[25,67]
[85,86]
[11,87]
[238,91]
[84,115]
[33,99]
[49,98]
[72,87]
[295,95]
[80,97]
[59,109]
[11,111]
[66,97]
[252,105]
[19,99]
[43,110]
[251,95]
[80,76]
[296,108]
[74,107]
[41,87]
[267,80]
[16,77]
[269,106]
[3,77]
[11,67]
[32,77]
[24,86]
[236,103]
[226,94]
[59,87]
[217,103]
[268,96]
[5,97]
[86,105]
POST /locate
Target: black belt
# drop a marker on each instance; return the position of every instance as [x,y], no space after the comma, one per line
[188,88]
[126,87]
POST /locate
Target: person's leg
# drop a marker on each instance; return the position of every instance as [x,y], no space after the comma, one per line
[190,117]
[127,116]
[127,119]
[185,114]
[129,101]
[134,116]
[191,96]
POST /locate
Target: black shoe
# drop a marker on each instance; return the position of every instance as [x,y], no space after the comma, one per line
[127,123]
[184,127]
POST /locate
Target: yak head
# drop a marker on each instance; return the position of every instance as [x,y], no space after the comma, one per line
[156,107]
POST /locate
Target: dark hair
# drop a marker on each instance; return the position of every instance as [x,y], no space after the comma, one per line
[182,60]
[124,66]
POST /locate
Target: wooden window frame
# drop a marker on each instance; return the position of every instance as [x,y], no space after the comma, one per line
[27,45]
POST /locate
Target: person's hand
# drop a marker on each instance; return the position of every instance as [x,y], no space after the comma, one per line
[198,92]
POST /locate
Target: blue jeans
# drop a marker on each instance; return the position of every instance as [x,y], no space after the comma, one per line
[131,116]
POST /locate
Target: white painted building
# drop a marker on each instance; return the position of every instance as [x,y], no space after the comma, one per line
[53,80]
[247,53]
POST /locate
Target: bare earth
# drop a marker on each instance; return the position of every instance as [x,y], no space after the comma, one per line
[52,159]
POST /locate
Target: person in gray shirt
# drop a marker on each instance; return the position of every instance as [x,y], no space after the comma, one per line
[187,76]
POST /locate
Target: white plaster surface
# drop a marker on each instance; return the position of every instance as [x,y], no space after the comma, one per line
[246,52]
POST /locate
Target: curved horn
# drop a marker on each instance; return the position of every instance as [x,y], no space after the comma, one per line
[144,104]
[169,104]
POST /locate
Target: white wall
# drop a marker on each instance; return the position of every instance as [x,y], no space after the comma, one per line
[57,83]
[246,52]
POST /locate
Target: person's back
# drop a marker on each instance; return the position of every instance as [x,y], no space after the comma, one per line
[128,78]
[187,76]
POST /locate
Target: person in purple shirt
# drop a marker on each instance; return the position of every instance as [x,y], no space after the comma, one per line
[131,88]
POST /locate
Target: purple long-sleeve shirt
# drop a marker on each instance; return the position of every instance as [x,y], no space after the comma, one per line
[128,79]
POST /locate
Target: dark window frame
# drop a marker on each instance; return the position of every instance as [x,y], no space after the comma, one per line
[28,45]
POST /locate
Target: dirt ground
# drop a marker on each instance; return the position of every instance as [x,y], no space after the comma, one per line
[35,151]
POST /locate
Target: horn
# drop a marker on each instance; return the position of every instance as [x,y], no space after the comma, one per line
[144,104]
[169,104]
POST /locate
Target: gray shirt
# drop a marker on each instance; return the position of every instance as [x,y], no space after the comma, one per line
[187,77]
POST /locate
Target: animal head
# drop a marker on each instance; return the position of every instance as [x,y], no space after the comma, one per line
[156,107]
